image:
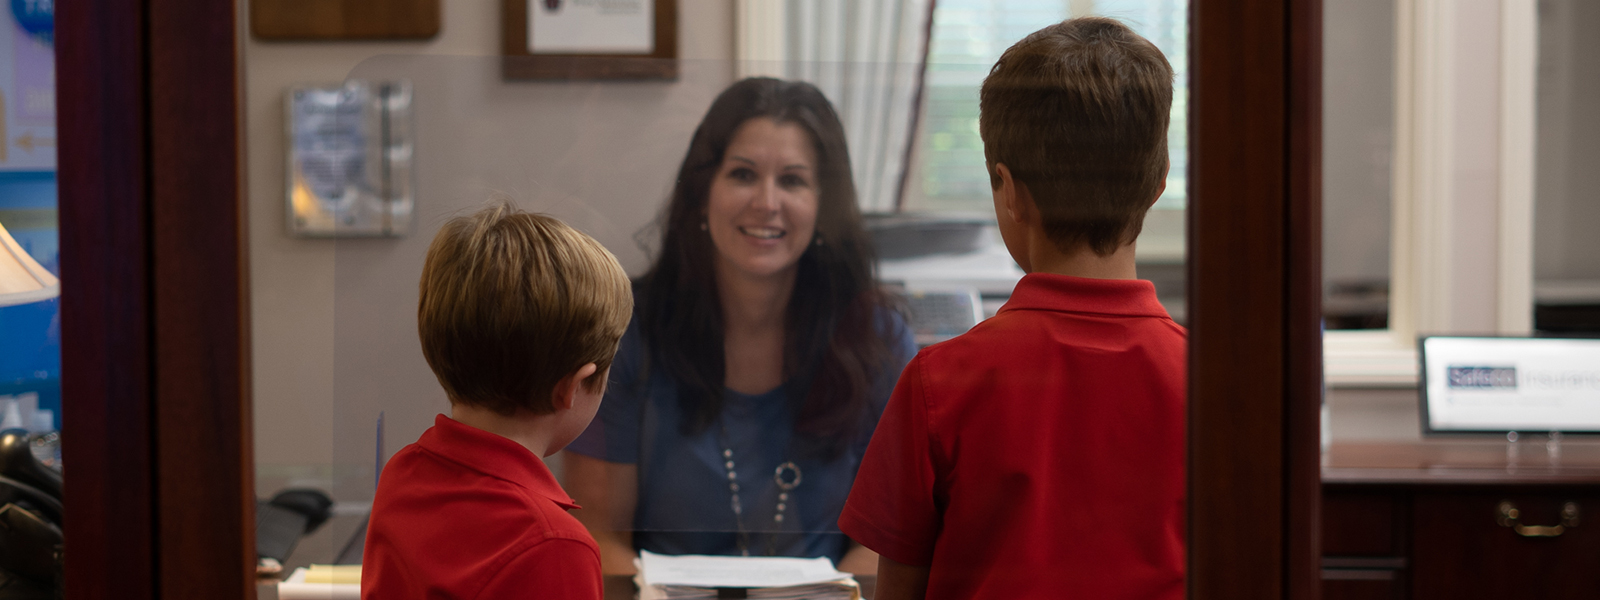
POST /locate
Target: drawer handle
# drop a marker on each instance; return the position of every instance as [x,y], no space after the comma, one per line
[1508,515]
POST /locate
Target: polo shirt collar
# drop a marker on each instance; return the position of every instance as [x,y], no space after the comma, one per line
[494,456]
[1062,293]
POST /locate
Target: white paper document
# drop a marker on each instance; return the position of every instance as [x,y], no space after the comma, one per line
[298,587]
[591,26]
[736,571]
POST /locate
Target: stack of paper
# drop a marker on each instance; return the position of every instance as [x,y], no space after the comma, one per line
[322,582]
[694,577]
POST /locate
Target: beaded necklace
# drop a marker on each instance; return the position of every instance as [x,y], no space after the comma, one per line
[786,477]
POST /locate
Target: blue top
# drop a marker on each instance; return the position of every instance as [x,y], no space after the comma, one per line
[685,504]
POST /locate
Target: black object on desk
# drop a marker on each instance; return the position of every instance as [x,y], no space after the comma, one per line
[18,462]
[30,521]
[288,516]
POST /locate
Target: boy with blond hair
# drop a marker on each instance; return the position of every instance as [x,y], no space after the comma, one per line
[519,317]
[1041,454]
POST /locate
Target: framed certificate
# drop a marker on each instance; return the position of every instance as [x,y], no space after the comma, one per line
[590,39]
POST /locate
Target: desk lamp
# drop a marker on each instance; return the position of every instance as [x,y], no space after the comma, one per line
[22,280]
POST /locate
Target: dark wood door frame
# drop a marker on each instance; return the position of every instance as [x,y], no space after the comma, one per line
[155,395]
[155,318]
[1255,287]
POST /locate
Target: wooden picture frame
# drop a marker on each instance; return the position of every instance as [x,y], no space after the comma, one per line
[518,62]
[328,20]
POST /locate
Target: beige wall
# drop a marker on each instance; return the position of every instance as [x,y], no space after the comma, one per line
[1374,414]
[333,325]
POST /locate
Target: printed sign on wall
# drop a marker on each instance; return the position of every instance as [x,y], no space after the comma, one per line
[591,27]
[27,86]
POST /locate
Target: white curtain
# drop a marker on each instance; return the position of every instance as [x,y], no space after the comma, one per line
[866,56]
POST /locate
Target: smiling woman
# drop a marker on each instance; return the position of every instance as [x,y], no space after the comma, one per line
[762,213]
[762,217]
[761,353]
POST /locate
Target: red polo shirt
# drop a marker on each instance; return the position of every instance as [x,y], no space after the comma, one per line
[1041,454]
[464,513]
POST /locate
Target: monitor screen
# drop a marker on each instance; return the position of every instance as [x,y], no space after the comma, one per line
[1495,385]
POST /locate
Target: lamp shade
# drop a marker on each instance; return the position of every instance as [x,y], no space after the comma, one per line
[22,280]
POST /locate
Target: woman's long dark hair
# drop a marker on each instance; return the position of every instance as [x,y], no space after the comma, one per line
[833,341]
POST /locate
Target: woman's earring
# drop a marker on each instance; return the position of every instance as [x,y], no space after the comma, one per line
[704,226]
[817,241]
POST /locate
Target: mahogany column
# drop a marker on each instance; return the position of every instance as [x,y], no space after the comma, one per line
[1254,298]
[155,381]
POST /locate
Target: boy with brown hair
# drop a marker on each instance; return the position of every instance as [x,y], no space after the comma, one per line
[1041,454]
[519,317]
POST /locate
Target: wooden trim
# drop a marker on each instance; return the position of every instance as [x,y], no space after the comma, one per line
[160,500]
[518,63]
[1303,393]
[205,477]
[105,301]
[1384,574]
[1362,562]
[1462,462]
[343,20]
[1254,299]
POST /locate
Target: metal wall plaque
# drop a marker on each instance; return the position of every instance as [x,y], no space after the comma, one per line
[349,160]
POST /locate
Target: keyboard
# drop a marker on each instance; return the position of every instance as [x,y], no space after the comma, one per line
[940,314]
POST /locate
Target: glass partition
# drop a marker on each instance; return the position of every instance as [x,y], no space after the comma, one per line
[601,156]
[946,177]
[598,155]
[341,379]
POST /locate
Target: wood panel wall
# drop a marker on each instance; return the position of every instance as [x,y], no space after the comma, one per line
[107,406]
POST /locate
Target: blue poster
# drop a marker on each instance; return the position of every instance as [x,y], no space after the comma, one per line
[30,334]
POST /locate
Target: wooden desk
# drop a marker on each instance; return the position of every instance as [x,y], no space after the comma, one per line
[1424,520]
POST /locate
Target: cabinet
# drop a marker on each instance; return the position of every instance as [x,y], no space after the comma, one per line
[1460,520]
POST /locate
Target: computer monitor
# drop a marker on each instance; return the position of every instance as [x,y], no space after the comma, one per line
[940,312]
[1503,384]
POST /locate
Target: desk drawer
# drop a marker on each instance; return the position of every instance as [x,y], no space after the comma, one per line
[1363,523]
[1463,548]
